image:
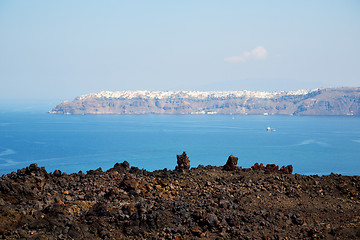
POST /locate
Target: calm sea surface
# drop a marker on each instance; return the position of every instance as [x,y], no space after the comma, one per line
[313,145]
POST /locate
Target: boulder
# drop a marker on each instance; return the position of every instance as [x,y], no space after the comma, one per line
[183,162]
[273,168]
[57,173]
[129,182]
[258,167]
[231,163]
[286,170]
[121,167]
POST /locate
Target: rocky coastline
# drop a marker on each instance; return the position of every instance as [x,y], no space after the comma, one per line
[322,101]
[206,202]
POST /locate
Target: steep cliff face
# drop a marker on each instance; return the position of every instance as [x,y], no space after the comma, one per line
[330,101]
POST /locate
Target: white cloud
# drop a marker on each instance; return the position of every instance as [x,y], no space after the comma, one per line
[258,53]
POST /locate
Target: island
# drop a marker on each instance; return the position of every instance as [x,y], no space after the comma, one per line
[321,101]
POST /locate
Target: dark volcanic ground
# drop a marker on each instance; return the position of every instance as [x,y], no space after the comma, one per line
[203,202]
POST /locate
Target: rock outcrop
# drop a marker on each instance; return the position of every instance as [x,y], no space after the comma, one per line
[183,162]
[231,163]
[273,168]
[286,170]
[204,202]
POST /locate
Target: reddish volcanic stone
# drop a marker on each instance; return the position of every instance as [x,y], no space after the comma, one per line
[183,162]
[231,163]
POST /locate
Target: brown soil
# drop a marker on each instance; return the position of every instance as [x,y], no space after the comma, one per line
[204,202]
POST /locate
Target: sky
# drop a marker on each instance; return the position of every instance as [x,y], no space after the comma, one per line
[63,49]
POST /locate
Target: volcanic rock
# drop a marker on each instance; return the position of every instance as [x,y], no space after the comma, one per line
[129,182]
[183,162]
[206,202]
[286,170]
[272,168]
[231,163]
[121,167]
[57,173]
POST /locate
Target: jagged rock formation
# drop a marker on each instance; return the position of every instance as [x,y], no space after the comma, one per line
[326,101]
[183,162]
[204,202]
[231,163]
[273,168]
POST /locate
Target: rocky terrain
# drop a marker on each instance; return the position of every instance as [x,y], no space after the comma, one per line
[227,202]
[326,101]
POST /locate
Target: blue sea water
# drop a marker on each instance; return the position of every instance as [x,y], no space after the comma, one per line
[313,145]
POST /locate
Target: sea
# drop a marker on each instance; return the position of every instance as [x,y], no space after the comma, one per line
[314,145]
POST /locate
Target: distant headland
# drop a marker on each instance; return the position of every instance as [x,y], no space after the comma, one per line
[320,101]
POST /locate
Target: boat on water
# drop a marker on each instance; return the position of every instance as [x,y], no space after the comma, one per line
[269,129]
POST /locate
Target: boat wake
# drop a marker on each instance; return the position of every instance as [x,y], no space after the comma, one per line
[312,141]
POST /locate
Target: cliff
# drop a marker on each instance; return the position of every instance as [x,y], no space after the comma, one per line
[326,101]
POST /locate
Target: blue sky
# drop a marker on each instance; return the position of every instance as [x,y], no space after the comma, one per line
[62,49]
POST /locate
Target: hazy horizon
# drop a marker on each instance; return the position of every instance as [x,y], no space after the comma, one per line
[60,50]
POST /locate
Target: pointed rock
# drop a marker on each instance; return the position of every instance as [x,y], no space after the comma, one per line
[183,162]
[231,163]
